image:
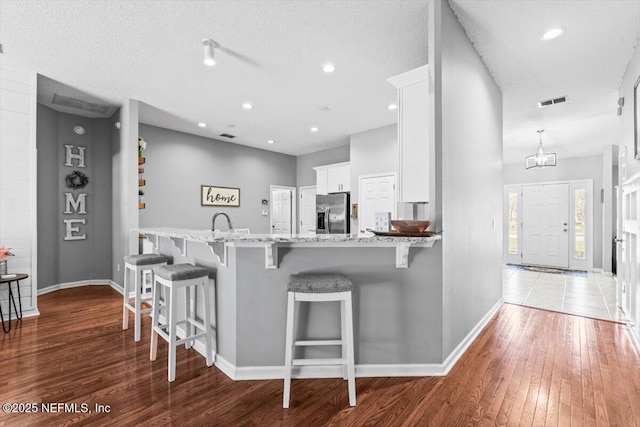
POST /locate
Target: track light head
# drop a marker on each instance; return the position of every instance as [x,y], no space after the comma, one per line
[209,45]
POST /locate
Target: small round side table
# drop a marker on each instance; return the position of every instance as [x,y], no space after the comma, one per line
[8,279]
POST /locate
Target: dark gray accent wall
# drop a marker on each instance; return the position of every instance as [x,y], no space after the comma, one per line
[61,261]
[177,164]
[306,175]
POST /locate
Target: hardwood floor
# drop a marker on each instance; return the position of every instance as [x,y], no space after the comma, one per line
[528,367]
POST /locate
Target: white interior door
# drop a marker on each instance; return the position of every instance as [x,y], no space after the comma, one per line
[377,193]
[281,211]
[308,209]
[545,225]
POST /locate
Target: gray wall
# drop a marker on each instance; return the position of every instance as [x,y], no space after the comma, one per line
[568,169]
[124,194]
[468,146]
[177,164]
[373,151]
[397,312]
[305,175]
[63,261]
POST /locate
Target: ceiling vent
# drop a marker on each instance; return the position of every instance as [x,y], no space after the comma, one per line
[227,135]
[552,101]
[78,104]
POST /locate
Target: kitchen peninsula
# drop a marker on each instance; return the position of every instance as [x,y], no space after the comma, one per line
[397,295]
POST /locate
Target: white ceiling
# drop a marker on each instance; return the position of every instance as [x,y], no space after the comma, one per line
[272,53]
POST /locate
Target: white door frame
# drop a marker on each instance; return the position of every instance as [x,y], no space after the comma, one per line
[394,211]
[628,288]
[294,205]
[575,264]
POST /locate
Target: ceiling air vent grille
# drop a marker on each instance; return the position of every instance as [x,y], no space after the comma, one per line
[227,135]
[552,101]
[67,101]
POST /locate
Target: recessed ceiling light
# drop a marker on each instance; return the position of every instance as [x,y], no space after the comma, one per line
[329,68]
[392,107]
[314,129]
[553,33]
[271,141]
[231,125]
[202,125]
[247,106]
[324,108]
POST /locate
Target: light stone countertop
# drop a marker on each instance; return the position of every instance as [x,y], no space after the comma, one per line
[207,236]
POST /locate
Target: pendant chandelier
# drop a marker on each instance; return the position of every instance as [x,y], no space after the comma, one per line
[540,159]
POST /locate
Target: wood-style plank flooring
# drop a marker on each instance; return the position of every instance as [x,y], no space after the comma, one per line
[528,367]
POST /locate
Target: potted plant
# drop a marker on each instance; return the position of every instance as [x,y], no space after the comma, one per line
[140,194]
[4,253]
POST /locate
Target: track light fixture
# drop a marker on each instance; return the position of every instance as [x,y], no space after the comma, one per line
[209,45]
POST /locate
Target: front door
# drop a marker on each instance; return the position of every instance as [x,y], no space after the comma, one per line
[545,225]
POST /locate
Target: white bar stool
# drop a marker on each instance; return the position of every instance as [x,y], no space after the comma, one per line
[313,288]
[139,265]
[172,278]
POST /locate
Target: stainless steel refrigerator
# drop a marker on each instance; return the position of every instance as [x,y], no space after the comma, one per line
[332,213]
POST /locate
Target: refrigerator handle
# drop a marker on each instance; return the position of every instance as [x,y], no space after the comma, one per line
[327,221]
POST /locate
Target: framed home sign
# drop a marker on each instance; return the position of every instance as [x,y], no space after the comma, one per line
[219,196]
[636,118]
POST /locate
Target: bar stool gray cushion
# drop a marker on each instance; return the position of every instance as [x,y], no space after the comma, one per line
[181,272]
[145,259]
[319,283]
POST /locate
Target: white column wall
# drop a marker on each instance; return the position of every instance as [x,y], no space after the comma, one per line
[18,164]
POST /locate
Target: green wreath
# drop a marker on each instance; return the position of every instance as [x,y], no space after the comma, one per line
[76,179]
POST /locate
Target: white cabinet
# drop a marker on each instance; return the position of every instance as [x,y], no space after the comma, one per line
[413,134]
[322,174]
[334,178]
[339,178]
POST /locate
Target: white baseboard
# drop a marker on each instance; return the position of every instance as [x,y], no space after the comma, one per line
[244,373]
[25,313]
[67,285]
[451,360]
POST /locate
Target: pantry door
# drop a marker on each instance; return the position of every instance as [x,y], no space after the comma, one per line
[545,224]
[377,194]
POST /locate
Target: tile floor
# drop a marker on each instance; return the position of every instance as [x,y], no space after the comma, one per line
[591,296]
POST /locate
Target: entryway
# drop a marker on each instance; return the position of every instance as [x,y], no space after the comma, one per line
[581,293]
[549,224]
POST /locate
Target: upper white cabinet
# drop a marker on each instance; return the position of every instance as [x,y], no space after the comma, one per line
[334,178]
[413,134]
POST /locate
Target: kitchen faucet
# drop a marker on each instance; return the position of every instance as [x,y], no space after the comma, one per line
[213,220]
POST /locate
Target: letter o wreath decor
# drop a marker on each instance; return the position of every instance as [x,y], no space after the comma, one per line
[76,179]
